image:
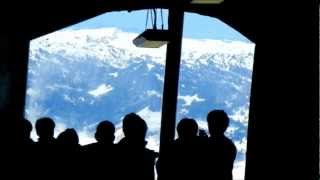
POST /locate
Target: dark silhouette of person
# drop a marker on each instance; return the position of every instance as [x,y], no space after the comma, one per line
[187,130]
[68,152]
[68,138]
[24,131]
[134,129]
[46,154]
[221,150]
[104,136]
[24,154]
[102,155]
[185,161]
[45,130]
[137,161]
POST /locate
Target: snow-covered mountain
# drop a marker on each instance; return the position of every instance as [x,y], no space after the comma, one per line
[80,77]
[111,44]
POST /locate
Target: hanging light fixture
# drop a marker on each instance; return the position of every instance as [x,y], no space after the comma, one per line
[152,38]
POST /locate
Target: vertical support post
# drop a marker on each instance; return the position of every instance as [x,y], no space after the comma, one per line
[171,81]
[13,75]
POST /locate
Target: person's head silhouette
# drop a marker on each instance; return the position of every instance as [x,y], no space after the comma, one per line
[187,129]
[24,131]
[105,132]
[218,122]
[45,129]
[134,128]
[69,137]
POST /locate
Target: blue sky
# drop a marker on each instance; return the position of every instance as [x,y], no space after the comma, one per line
[195,26]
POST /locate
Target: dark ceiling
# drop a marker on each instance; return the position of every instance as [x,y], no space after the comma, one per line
[36,18]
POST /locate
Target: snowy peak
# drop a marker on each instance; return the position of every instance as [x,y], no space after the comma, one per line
[111,45]
[107,44]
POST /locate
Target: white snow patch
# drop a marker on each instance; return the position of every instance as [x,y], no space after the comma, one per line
[86,138]
[228,104]
[184,111]
[69,99]
[159,77]
[32,92]
[153,142]
[153,93]
[115,74]
[241,114]
[202,124]
[60,127]
[150,66]
[103,89]
[82,99]
[152,118]
[231,130]
[239,170]
[241,145]
[118,133]
[190,99]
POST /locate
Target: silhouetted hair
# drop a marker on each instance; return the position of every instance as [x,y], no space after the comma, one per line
[187,128]
[68,137]
[45,127]
[105,132]
[26,126]
[134,126]
[218,120]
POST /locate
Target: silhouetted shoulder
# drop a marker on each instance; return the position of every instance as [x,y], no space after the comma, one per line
[223,142]
[97,147]
[137,161]
[89,147]
[230,143]
[230,146]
